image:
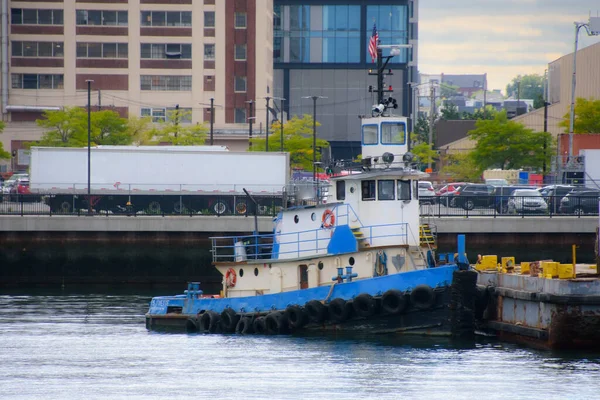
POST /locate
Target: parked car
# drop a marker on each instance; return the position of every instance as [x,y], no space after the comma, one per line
[11,182]
[472,195]
[496,182]
[580,202]
[502,195]
[445,193]
[553,195]
[426,192]
[523,201]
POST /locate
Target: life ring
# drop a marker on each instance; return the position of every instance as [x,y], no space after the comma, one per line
[328,219]
[422,297]
[230,278]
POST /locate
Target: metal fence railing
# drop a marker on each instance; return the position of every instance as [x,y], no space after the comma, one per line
[220,205]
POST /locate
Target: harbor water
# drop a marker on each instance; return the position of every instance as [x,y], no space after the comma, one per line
[95,346]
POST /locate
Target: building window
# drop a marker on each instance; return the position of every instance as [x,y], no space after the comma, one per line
[240,116]
[102,50]
[240,84]
[166,50]
[101,18]
[240,52]
[240,20]
[340,190]
[37,81]
[166,18]
[161,114]
[166,82]
[209,52]
[385,189]
[392,28]
[29,16]
[37,49]
[209,19]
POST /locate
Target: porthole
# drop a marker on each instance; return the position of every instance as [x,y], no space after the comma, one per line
[255,271]
[320,266]
[351,189]
[313,216]
[296,219]
[241,272]
[350,261]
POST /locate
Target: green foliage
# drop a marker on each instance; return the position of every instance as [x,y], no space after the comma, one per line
[297,140]
[4,155]
[424,153]
[65,128]
[172,131]
[531,87]
[421,131]
[448,90]
[487,112]
[140,130]
[506,144]
[450,111]
[587,117]
[69,128]
[462,167]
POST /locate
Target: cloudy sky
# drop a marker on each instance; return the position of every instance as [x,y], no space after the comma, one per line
[504,38]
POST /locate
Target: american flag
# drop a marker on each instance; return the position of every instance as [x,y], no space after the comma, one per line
[373,44]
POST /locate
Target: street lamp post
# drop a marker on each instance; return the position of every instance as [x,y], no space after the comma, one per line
[212,118]
[314,99]
[281,122]
[89,148]
[250,120]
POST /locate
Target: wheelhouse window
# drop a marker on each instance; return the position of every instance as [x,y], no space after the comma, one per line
[385,190]
[340,190]
[369,133]
[393,133]
[368,190]
[403,190]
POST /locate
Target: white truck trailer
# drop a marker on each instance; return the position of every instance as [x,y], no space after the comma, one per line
[591,162]
[156,179]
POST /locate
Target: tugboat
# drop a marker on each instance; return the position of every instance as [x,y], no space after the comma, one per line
[352,261]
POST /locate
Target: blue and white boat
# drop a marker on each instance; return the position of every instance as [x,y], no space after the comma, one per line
[352,262]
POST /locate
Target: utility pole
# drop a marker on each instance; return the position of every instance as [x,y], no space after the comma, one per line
[176,120]
[267,125]
[212,118]
[545,130]
[89,150]
[99,99]
[250,120]
[281,122]
[431,112]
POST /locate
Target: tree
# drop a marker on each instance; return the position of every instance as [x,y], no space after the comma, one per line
[108,128]
[450,111]
[140,130]
[506,144]
[4,155]
[424,153]
[448,90]
[69,128]
[421,130]
[66,127]
[461,167]
[587,117]
[173,132]
[297,140]
[530,87]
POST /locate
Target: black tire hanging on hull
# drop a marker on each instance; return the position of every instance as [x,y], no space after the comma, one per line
[259,326]
[338,310]
[276,323]
[191,325]
[364,305]
[394,302]
[244,326]
[229,320]
[209,322]
[316,311]
[296,316]
[422,297]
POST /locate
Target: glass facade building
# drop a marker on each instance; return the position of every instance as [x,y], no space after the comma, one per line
[321,48]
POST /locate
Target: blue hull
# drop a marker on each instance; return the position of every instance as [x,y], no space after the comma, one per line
[175,311]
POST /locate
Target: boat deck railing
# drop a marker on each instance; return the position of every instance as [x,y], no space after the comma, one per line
[297,244]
